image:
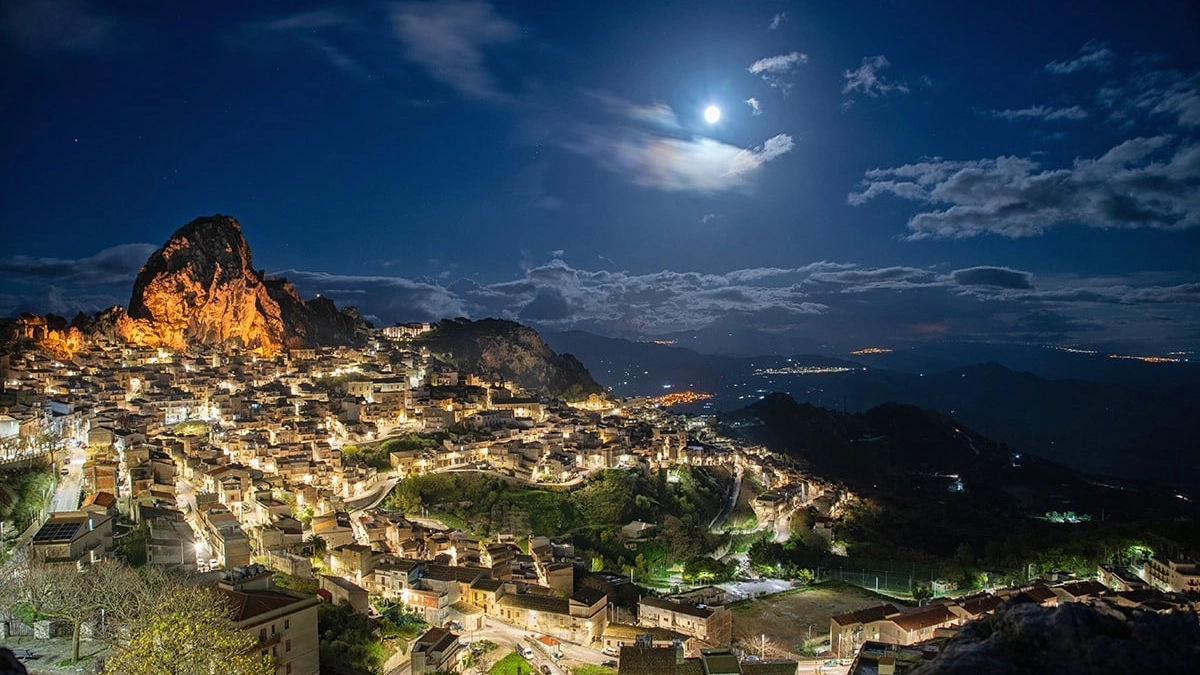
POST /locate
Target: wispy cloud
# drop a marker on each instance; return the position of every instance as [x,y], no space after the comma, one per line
[755,106]
[448,39]
[646,145]
[777,21]
[1094,55]
[1140,183]
[1161,94]
[697,164]
[325,33]
[866,79]
[60,26]
[772,68]
[653,114]
[783,63]
[1042,112]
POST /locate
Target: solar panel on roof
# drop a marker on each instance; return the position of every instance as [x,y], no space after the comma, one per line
[57,532]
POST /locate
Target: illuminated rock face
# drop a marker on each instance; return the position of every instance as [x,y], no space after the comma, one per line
[51,334]
[200,288]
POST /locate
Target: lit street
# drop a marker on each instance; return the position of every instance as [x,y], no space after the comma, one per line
[66,495]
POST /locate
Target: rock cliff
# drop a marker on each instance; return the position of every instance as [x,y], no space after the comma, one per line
[201,288]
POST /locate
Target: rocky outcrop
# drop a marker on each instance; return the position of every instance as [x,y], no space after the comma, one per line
[497,350]
[1028,639]
[201,288]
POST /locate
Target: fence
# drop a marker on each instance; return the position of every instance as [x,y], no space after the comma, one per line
[890,577]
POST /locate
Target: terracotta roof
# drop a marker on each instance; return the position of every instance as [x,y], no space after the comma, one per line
[435,640]
[924,617]
[868,615]
[246,606]
[105,499]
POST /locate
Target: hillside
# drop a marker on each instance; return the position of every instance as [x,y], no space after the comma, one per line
[495,349]
[933,484]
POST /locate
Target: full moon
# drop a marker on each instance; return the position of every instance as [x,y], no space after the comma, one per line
[711,114]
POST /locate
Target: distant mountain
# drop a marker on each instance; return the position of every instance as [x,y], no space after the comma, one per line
[1146,429]
[495,349]
[940,483]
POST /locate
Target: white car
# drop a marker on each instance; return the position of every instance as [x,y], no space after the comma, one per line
[212,562]
[609,651]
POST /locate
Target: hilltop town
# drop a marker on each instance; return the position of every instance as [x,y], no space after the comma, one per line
[243,467]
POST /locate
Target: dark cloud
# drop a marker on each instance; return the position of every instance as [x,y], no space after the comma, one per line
[993,276]
[1144,182]
[823,303]
[59,26]
[117,264]
[546,306]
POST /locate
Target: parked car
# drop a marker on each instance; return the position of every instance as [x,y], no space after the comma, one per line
[545,669]
[610,651]
[609,664]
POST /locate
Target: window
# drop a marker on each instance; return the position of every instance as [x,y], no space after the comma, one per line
[262,634]
[272,629]
[289,667]
[287,623]
[287,646]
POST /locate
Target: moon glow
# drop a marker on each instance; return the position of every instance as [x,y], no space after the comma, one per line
[711,114]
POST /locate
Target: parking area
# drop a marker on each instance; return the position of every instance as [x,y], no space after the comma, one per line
[53,656]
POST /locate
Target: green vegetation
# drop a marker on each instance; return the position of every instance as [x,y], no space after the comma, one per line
[377,455]
[131,548]
[192,428]
[591,515]
[24,495]
[301,585]
[591,669]
[512,664]
[349,641]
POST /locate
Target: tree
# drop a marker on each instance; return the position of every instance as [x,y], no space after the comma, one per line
[187,631]
[319,544]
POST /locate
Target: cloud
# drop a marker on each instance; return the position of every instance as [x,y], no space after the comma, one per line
[709,217]
[1093,54]
[325,33]
[117,264]
[1001,277]
[651,114]
[755,106]
[777,21]
[783,63]
[448,39]
[674,163]
[60,26]
[829,302]
[751,159]
[867,80]
[1042,112]
[1140,183]
[772,67]
[1154,94]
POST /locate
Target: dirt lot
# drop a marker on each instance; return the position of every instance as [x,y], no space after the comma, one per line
[785,619]
[48,654]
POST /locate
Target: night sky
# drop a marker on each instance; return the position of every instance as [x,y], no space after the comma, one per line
[881,172]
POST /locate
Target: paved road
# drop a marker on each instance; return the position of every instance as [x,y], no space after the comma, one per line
[66,495]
